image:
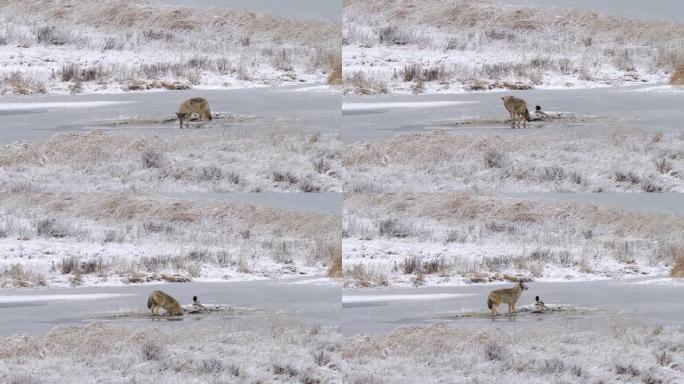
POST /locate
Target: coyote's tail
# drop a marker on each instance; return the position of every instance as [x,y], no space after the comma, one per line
[150,302]
[526,114]
[489,303]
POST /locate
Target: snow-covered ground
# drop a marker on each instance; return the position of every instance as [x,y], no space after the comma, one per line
[617,160]
[115,46]
[453,239]
[262,350]
[441,46]
[120,238]
[200,161]
[619,350]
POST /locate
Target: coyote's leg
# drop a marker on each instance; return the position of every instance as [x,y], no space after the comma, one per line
[510,308]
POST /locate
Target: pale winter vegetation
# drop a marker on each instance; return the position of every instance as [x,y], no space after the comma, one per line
[620,160]
[110,238]
[457,238]
[441,46]
[115,45]
[196,162]
[266,350]
[615,351]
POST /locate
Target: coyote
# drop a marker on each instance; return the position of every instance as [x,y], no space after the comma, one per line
[509,296]
[198,105]
[517,108]
[159,299]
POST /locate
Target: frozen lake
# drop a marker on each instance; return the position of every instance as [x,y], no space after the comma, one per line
[373,118]
[31,118]
[39,310]
[671,10]
[326,10]
[655,301]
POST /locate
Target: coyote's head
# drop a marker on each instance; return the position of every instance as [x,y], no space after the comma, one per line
[522,285]
[182,115]
[175,310]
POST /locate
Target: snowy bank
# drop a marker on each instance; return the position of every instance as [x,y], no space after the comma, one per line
[441,46]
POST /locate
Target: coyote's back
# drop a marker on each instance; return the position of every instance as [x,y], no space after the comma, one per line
[159,299]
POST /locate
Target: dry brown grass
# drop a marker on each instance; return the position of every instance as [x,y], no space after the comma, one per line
[19,83]
[153,18]
[456,15]
[456,207]
[67,162]
[678,77]
[135,208]
[678,267]
[583,353]
[191,42]
[20,276]
[335,77]
[242,354]
[335,269]
[566,36]
[364,276]
[439,160]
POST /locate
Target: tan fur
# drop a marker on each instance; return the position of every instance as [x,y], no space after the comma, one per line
[509,296]
[517,108]
[159,299]
[198,105]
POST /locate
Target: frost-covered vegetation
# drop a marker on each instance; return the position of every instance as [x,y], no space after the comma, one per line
[271,350]
[110,238]
[412,46]
[115,45]
[615,351]
[455,238]
[197,161]
[620,160]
